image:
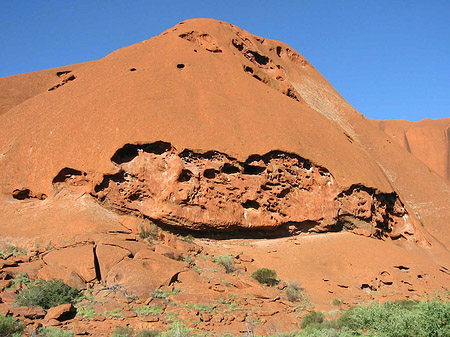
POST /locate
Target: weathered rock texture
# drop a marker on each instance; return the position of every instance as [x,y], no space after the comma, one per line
[212,191]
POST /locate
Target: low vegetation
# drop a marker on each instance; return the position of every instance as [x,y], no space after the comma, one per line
[397,319]
[47,294]
[294,292]
[226,261]
[12,251]
[149,233]
[9,327]
[54,332]
[266,276]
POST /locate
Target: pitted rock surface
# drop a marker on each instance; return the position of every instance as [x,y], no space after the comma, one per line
[213,191]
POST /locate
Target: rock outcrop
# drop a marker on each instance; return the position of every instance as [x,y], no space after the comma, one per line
[133,176]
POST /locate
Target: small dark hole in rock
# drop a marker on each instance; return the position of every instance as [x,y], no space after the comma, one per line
[22,194]
[257,77]
[230,169]
[65,174]
[210,173]
[134,196]
[260,59]
[279,51]
[290,93]
[185,175]
[195,50]
[237,45]
[61,73]
[248,69]
[251,204]
[180,65]
[401,267]
[132,69]
[251,169]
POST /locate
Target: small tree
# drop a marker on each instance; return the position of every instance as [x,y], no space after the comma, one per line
[47,294]
[266,276]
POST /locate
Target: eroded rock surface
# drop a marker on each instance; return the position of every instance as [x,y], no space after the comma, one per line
[275,192]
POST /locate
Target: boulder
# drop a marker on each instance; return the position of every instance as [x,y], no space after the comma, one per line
[27,312]
[78,259]
[60,312]
[108,256]
[59,272]
[143,276]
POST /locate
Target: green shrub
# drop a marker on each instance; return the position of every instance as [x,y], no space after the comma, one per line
[20,279]
[313,318]
[9,327]
[86,312]
[400,319]
[123,331]
[226,261]
[177,329]
[265,276]
[159,293]
[148,333]
[54,332]
[47,294]
[12,251]
[146,310]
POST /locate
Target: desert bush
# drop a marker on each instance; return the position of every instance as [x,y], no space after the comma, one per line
[150,233]
[398,319]
[123,331]
[313,318]
[146,310]
[226,261]
[9,327]
[54,332]
[177,329]
[148,333]
[294,293]
[47,294]
[265,276]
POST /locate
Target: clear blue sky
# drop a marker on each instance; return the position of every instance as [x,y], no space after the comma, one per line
[390,59]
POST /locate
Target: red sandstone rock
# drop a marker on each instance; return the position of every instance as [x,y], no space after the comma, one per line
[108,256]
[28,312]
[60,312]
[143,276]
[77,259]
[428,140]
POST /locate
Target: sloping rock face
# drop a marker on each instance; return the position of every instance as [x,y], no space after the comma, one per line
[428,140]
